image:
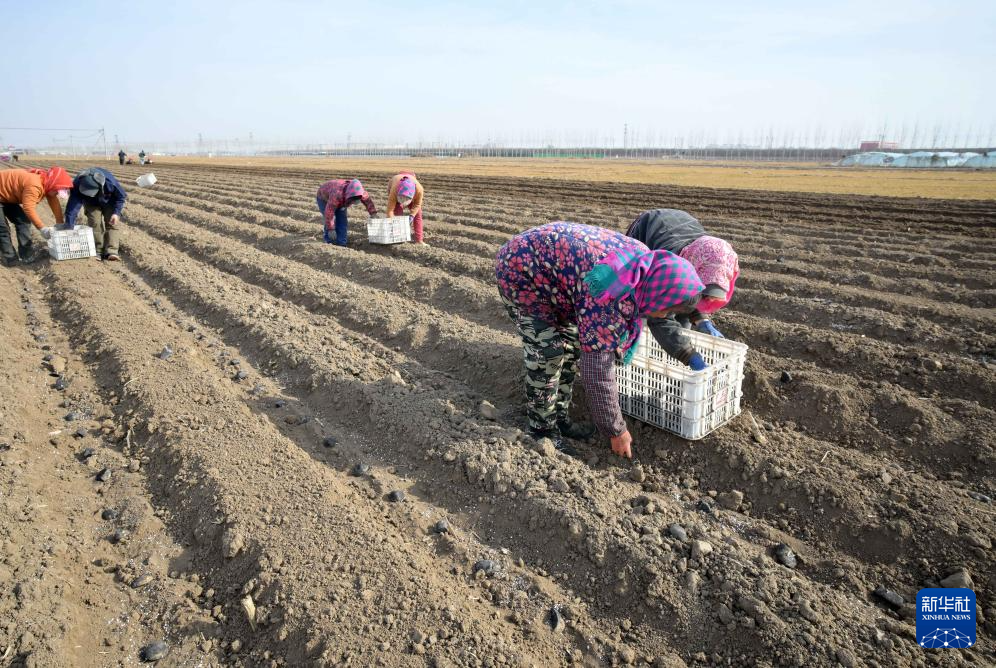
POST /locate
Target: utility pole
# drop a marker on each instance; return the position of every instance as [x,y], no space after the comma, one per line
[103,138]
[625,136]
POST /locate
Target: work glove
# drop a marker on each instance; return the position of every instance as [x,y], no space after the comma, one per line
[46,232]
[697,363]
[706,327]
[328,236]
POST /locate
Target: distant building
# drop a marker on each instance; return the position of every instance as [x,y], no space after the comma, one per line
[877,145]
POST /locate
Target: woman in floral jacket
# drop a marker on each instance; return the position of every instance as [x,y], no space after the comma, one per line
[578,293]
[334,197]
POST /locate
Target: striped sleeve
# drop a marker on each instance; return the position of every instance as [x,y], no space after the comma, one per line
[599,379]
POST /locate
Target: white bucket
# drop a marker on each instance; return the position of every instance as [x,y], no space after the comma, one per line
[146,180]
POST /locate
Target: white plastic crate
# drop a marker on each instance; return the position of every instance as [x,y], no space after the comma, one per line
[657,389]
[394,230]
[72,244]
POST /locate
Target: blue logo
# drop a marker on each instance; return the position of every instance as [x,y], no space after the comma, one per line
[945,618]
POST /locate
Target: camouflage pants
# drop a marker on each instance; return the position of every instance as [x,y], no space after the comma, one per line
[550,353]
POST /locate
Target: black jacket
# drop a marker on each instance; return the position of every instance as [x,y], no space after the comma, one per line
[670,230]
[666,229]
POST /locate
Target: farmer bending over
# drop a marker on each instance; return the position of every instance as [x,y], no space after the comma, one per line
[102,199]
[579,293]
[20,192]
[406,191]
[715,262]
[334,197]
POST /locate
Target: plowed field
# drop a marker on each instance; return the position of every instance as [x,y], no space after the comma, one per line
[294,361]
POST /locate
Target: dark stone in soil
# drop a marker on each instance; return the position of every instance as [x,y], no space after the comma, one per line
[61,384]
[87,453]
[47,358]
[555,619]
[109,514]
[786,377]
[279,403]
[80,433]
[104,475]
[118,536]
[241,375]
[705,505]
[166,353]
[889,597]
[330,441]
[488,566]
[396,496]
[359,470]
[978,496]
[153,651]
[785,556]
[442,526]
[72,416]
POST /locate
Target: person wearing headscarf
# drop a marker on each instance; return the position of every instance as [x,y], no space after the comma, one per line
[20,192]
[715,262]
[406,191]
[98,193]
[578,295]
[334,197]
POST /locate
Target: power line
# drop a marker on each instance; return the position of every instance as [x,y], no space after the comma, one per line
[57,129]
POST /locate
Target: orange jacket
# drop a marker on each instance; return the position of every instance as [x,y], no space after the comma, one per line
[392,194]
[19,186]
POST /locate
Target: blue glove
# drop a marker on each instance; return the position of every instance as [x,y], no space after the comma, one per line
[328,236]
[697,363]
[706,327]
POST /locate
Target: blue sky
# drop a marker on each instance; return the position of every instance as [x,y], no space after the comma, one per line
[539,71]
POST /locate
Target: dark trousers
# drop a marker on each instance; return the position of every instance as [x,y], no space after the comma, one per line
[22,225]
[341,223]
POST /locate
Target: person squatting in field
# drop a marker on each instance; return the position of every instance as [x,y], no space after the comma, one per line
[715,262]
[102,199]
[334,197]
[577,295]
[20,192]
[406,191]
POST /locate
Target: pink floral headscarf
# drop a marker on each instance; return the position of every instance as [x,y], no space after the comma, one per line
[354,189]
[406,188]
[716,263]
